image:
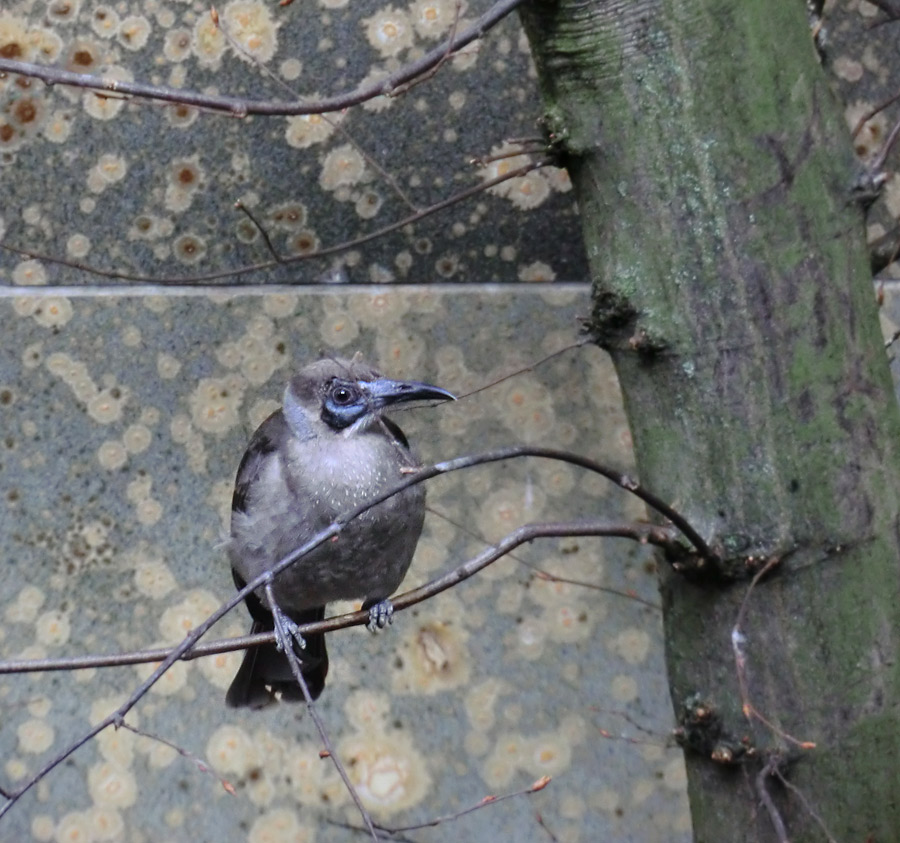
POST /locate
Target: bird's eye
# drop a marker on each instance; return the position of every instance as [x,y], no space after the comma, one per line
[343,395]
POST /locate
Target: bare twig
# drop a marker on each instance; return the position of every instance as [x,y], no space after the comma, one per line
[203,766]
[881,106]
[424,77]
[879,161]
[805,802]
[740,660]
[536,787]
[540,573]
[530,368]
[463,572]
[285,644]
[523,535]
[240,107]
[240,206]
[335,124]
[765,797]
[206,278]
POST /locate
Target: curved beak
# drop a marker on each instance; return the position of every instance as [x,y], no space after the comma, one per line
[383,392]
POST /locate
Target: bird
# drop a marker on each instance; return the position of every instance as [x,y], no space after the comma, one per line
[326,451]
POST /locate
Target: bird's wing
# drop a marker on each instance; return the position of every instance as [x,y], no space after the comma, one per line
[262,448]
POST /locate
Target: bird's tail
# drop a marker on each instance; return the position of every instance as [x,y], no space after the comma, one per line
[265,671]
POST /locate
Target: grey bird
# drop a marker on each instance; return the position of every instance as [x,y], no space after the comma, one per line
[326,451]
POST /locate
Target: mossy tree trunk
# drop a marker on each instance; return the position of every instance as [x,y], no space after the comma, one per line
[732,289]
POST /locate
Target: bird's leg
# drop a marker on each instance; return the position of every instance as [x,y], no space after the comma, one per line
[381,613]
[285,628]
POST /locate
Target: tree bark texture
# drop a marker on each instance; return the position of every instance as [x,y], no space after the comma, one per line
[732,289]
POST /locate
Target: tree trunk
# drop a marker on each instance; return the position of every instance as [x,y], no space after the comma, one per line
[732,289]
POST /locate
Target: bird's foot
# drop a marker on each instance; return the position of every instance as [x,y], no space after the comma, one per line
[285,628]
[380,614]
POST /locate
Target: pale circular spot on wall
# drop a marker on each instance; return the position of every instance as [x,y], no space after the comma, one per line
[343,166]
[250,25]
[177,45]
[105,22]
[111,785]
[107,823]
[388,771]
[536,272]
[368,205]
[77,246]
[35,736]
[29,273]
[43,828]
[548,754]
[290,69]
[632,645]
[137,438]
[116,745]
[154,579]
[435,659]
[53,312]
[220,669]
[232,750]
[338,330]
[106,406]
[167,366]
[190,612]
[134,32]
[481,701]
[108,105]
[501,765]
[58,126]
[27,604]
[389,31]
[624,688]
[74,827]
[149,511]
[52,628]
[112,455]
[279,826]
[215,401]
[305,130]
[848,69]
[208,43]
[173,681]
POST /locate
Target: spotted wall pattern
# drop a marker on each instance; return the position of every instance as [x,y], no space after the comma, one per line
[148,190]
[124,421]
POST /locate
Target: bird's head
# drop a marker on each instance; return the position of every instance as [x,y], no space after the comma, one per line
[335,395]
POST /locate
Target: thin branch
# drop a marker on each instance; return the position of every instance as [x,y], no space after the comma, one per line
[886,148]
[240,206]
[872,112]
[403,601]
[286,646]
[805,802]
[335,124]
[194,280]
[530,368]
[738,639]
[463,572]
[540,573]
[203,766]
[241,107]
[765,797]
[536,787]
[424,77]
